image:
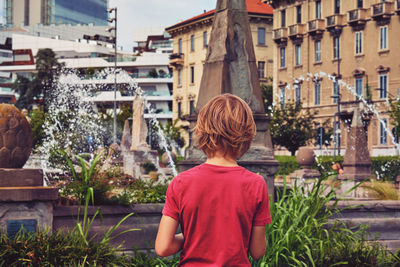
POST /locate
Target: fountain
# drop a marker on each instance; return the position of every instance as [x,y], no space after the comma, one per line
[230,67]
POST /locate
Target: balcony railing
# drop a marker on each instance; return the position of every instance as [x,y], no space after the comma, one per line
[176,59]
[334,21]
[381,10]
[357,16]
[296,30]
[280,33]
[316,25]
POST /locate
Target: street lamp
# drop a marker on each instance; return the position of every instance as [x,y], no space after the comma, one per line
[110,10]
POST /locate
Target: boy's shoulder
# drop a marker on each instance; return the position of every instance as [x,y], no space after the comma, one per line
[203,169]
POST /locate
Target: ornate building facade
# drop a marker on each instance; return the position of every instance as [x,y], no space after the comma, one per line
[318,41]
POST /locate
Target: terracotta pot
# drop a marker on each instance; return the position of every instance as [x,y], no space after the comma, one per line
[305,157]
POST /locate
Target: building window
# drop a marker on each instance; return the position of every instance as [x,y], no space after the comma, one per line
[318,9]
[261,68]
[191,103]
[179,77]
[336,6]
[192,42]
[383,133]
[359,88]
[283,57]
[205,39]
[26,17]
[298,14]
[317,46]
[336,47]
[360,3]
[317,93]
[298,55]
[383,86]
[261,36]
[383,38]
[298,93]
[191,74]
[179,109]
[282,96]
[283,18]
[335,92]
[358,43]
[180,46]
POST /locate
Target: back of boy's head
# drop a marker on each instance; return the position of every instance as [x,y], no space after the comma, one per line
[225,125]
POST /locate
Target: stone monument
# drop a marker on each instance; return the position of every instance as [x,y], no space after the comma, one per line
[230,67]
[136,150]
[357,161]
[24,201]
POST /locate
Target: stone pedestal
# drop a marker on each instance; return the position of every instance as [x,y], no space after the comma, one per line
[25,201]
[133,159]
[306,158]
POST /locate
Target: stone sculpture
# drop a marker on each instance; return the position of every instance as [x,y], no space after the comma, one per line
[15,137]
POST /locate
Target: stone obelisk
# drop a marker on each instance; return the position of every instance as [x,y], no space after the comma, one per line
[230,67]
[357,161]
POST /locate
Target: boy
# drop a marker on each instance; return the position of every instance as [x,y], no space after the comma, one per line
[221,207]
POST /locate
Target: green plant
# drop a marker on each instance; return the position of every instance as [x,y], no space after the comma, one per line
[83,181]
[153,73]
[148,166]
[302,234]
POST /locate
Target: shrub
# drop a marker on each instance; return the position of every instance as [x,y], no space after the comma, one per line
[148,166]
[57,249]
[385,168]
[287,164]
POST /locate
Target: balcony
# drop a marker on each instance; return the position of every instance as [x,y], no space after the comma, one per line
[357,17]
[397,8]
[382,11]
[176,60]
[334,22]
[296,31]
[280,35]
[316,27]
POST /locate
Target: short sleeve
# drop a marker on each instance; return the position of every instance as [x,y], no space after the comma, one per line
[171,207]
[263,214]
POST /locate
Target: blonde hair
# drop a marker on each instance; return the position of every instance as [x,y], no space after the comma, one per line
[225,124]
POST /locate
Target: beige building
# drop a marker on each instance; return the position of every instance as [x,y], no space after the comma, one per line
[190,47]
[315,40]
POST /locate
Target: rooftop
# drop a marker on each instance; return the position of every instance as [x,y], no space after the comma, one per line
[256,7]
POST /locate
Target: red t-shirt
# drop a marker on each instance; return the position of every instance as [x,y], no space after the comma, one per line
[216,207]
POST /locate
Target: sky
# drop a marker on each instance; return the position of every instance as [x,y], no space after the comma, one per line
[153,13]
[149,13]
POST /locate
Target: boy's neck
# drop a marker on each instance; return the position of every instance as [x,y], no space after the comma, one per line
[220,160]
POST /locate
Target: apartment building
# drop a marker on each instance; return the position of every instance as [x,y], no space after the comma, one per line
[149,70]
[318,41]
[190,38]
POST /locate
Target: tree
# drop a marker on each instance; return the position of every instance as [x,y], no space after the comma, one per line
[395,116]
[37,89]
[267,95]
[291,126]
